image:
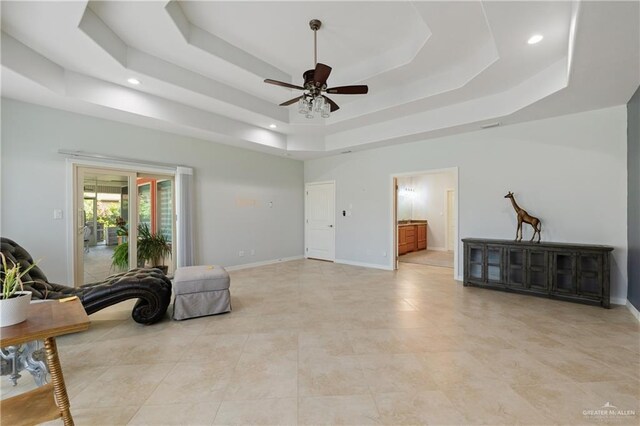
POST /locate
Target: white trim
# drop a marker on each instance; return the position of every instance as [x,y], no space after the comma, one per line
[263,263]
[618,301]
[109,159]
[459,278]
[633,310]
[446,216]
[184,170]
[437,248]
[363,264]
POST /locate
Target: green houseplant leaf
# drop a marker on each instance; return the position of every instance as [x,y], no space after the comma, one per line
[12,277]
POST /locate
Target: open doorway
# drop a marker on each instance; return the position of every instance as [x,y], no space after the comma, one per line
[425,218]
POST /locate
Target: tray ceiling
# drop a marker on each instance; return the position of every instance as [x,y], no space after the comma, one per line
[433,68]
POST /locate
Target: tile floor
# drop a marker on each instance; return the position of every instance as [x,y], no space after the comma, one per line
[429,257]
[97,263]
[311,342]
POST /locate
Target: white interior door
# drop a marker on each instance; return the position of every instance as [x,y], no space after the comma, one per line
[451,219]
[320,221]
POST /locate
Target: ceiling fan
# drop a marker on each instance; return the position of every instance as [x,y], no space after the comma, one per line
[315,85]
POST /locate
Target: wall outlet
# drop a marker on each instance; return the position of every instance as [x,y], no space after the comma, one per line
[253,252]
[384,254]
[241,253]
[57,214]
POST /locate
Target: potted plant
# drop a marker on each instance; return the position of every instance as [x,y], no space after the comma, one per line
[152,248]
[120,257]
[14,301]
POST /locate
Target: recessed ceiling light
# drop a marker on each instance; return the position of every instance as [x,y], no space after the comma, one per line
[536,38]
[133,81]
[273,126]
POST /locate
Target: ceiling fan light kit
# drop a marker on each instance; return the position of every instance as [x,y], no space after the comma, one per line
[313,101]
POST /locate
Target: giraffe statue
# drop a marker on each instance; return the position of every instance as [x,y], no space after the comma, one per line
[525,217]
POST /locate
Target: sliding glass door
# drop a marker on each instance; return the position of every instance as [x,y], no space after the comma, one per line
[102,223]
[117,228]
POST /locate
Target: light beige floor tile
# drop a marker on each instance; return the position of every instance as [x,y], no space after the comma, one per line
[417,337]
[563,402]
[624,394]
[194,414]
[493,403]
[197,381]
[407,408]
[338,410]
[99,416]
[452,368]
[152,350]
[227,347]
[271,344]
[259,376]
[258,412]
[122,385]
[330,375]
[97,354]
[77,379]
[324,342]
[389,341]
[395,373]
[231,324]
[619,358]
[518,367]
[576,364]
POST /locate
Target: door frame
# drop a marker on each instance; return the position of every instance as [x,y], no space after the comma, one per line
[393,228]
[306,237]
[446,217]
[111,166]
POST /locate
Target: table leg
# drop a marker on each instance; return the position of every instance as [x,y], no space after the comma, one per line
[59,388]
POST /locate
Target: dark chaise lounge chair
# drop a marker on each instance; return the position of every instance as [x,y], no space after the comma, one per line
[150,286]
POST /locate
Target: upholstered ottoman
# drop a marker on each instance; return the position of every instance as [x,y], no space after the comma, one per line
[200,291]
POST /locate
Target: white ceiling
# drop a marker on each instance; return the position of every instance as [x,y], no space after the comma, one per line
[433,68]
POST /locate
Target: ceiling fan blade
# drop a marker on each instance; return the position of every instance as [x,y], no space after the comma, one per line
[321,74]
[334,106]
[291,101]
[283,84]
[349,90]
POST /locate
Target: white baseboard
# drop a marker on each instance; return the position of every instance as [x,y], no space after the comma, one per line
[365,265]
[263,263]
[633,310]
[618,300]
[459,278]
[437,248]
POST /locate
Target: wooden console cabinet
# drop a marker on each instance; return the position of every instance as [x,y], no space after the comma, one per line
[411,237]
[572,272]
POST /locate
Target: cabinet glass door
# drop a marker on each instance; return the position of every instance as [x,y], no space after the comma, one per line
[476,263]
[494,264]
[589,274]
[564,273]
[515,268]
[537,277]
